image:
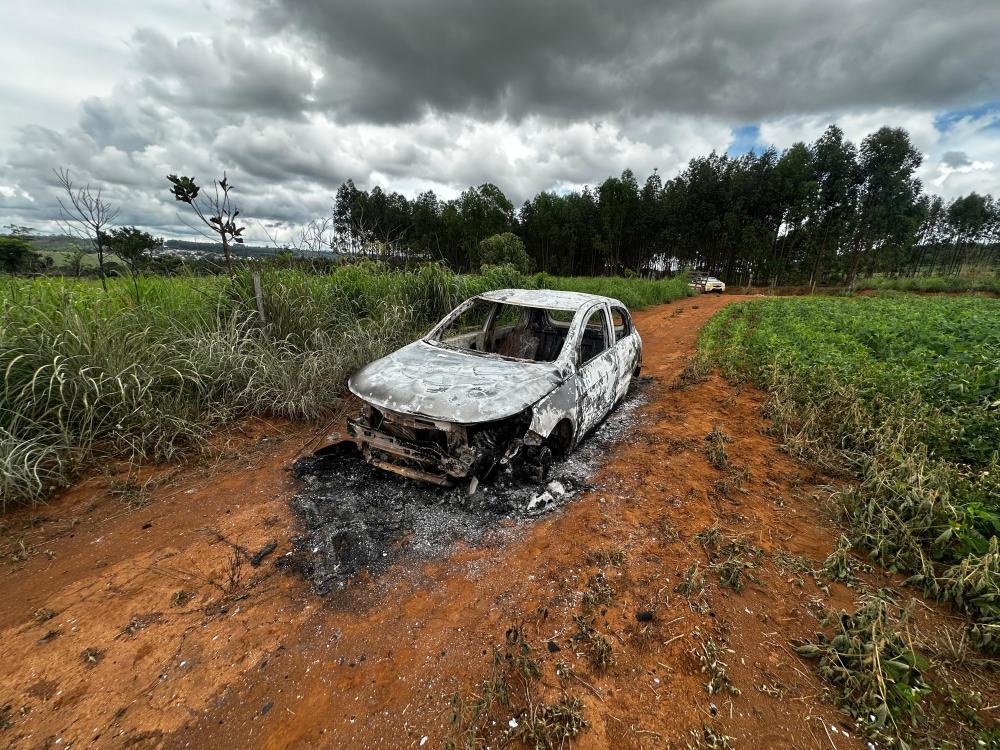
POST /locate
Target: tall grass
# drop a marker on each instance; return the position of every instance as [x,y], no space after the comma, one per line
[89,374]
[634,293]
[904,392]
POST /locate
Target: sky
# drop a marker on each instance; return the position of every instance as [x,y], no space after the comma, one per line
[292,97]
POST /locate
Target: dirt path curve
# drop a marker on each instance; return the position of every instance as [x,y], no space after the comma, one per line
[135,627]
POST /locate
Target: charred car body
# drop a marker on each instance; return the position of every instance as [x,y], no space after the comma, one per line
[504,383]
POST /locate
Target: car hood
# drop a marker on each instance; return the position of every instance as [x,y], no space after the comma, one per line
[446,385]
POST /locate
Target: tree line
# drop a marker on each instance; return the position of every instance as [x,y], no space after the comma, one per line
[819,213]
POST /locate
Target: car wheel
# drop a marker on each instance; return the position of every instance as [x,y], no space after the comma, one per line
[544,464]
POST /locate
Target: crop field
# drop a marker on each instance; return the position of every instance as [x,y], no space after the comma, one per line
[148,368]
[904,393]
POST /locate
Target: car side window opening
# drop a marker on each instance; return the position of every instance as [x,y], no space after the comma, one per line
[621,323]
[594,338]
[512,331]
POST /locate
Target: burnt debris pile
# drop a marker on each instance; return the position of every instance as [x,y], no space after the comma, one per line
[353,517]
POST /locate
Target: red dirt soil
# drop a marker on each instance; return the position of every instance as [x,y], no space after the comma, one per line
[253,658]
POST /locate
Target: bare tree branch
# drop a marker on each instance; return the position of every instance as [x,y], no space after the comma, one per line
[86,214]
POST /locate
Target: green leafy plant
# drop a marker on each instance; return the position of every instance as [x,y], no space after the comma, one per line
[876,671]
[902,392]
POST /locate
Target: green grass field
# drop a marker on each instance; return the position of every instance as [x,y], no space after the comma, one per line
[61,258]
[904,391]
[144,371]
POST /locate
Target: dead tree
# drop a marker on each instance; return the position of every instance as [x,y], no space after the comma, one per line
[86,214]
[216,212]
[319,235]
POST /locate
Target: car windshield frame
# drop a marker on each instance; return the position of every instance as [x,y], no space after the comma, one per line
[434,336]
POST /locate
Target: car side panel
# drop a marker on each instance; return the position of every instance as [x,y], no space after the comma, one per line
[558,405]
[628,358]
[597,383]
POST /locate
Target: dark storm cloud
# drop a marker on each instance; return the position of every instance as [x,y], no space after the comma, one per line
[224,73]
[391,61]
[127,125]
[955,159]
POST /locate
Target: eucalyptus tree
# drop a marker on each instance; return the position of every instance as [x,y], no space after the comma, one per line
[480,212]
[425,213]
[931,236]
[971,218]
[618,208]
[650,225]
[886,217]
[837,178]
[796,191]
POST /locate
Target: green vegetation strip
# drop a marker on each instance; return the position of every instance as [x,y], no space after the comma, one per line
[970,283]
[905,393]
[147,368]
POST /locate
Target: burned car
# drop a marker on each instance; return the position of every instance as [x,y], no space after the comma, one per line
[503,384]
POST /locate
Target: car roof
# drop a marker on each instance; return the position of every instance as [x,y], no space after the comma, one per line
[550,298]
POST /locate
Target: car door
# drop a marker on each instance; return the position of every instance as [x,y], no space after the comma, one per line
[597,369]
[628,345]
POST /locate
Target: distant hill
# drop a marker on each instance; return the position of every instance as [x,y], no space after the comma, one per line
[239,251]
[58,243]
[61,243]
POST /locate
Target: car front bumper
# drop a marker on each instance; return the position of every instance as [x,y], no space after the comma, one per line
[409,458]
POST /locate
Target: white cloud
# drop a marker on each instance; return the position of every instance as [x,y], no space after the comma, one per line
[785,131]
[976,137]
[56,53]
[286,169]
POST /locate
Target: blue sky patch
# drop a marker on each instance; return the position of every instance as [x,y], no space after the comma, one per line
[946,120]
[745,138]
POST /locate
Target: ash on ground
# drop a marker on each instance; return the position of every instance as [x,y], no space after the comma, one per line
[355,517]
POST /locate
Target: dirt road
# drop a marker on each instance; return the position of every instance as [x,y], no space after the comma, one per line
[130,621]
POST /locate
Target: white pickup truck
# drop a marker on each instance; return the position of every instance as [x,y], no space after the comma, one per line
[705,284]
